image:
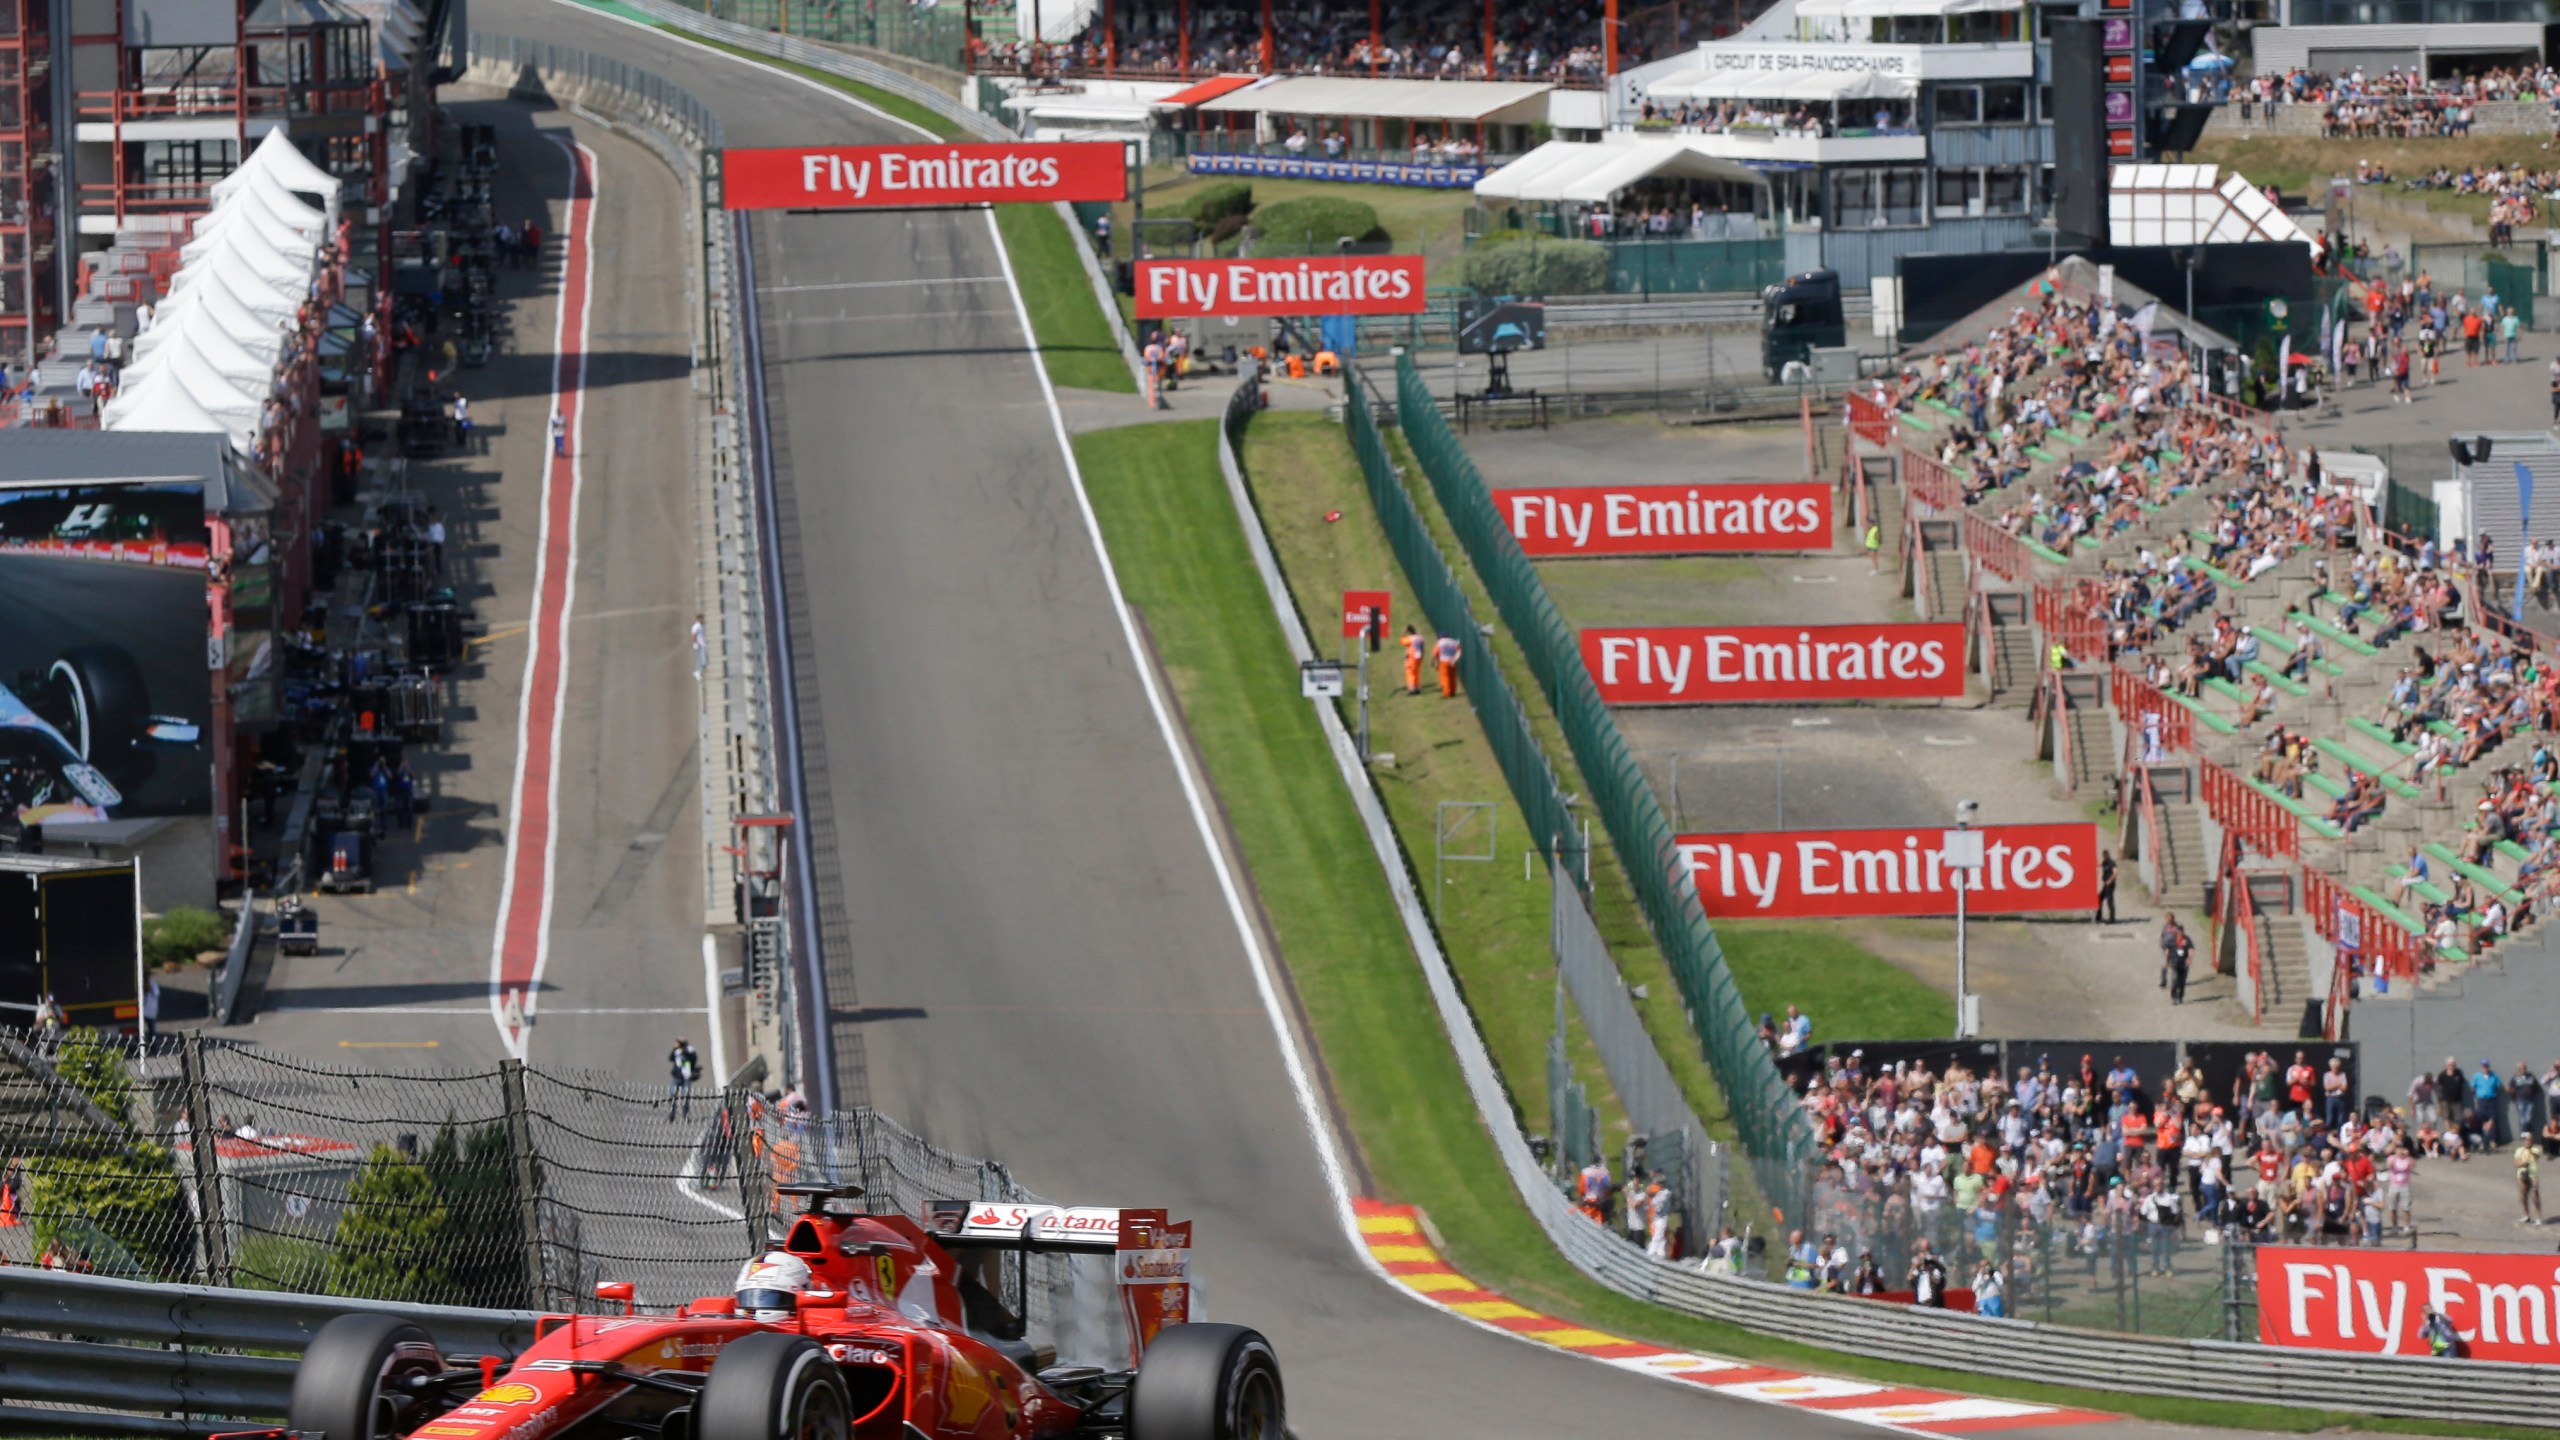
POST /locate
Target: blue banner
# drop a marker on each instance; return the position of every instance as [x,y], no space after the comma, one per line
[1358,172]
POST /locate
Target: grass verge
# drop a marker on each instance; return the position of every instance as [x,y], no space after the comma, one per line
[1067,324]
[1852,992]
[1181,555]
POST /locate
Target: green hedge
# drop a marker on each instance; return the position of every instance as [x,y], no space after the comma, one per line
[1314,225]
[1206,208]
[1517,262]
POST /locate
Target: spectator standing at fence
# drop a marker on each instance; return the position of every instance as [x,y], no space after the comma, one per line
[1446,651]
[1928,1277]
[2484,1104]
[683,1066]
[2333,1095]
[2524,1093]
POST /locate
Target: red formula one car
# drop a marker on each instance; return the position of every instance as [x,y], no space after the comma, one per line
[859,1327]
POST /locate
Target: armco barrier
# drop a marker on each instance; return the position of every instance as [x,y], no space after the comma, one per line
[164,1357]
[1966,1343]
[1769,1121]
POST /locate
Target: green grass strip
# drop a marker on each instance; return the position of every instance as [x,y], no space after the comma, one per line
[1181,556]
[1067,324]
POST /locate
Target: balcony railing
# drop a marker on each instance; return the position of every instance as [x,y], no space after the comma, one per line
[222,101]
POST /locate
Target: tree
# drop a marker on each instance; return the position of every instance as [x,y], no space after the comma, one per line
[1535,264]
[118,1211]
[474,1176]
[393,1240]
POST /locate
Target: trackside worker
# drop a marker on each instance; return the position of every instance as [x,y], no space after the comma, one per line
[1875,548]
[1449,651]
[1155,371]
[2058,658]
[1412,661]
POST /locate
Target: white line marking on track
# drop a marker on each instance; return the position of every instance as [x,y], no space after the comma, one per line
[882,284]
[711,1009]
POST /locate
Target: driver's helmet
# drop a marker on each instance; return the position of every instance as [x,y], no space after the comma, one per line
[770,1286]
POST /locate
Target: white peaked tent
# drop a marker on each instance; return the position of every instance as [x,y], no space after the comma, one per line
[280,168]
[239,277]
[163,403]
[229,224]
[248,263]
[248,360]
[222,307]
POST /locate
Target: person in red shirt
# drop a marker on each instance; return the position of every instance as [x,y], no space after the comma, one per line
[2297,1083]
[2270,1163]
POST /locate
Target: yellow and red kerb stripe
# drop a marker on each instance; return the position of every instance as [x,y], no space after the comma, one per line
[1396,1240]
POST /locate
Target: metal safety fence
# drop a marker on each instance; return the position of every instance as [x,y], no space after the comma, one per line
[191,1161]
[935,35]
[1769,1123]
[717,25]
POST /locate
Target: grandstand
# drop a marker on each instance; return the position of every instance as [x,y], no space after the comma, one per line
[2285,702]
[1562,44]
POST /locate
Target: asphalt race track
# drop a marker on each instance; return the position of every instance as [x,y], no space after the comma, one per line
[1030,955]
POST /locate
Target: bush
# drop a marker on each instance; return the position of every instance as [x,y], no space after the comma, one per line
[1536,265]
[1314,225]
[181,935]
[1226,229]
[118,1212]
[392,1240]
[1217,202]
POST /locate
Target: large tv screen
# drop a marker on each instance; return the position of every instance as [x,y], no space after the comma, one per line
[105,692]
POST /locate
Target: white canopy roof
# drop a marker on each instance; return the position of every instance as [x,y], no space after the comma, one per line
[249,359]
[1569,170]
[232,310]
[226,225]
[222,397]
[261,293]
[280,169]
[1442,101]
[163,403]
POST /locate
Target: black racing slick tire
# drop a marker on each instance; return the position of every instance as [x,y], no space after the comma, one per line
[1208,1382]
[349,1385]
[109,705]
[771,1386]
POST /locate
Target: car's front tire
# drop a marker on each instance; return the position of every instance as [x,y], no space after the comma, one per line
[1208,1382]
[110,704]
[348,1387]
[771,1386]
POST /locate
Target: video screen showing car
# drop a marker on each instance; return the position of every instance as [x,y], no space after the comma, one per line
[105,696]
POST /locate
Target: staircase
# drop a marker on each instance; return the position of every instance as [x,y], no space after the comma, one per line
[2012,645]
[2285,962]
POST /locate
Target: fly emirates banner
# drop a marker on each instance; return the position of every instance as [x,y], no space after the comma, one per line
[1566,520]
[1708,665]
[1316,285]
[2375,1302]
[871,177]
[1827,874]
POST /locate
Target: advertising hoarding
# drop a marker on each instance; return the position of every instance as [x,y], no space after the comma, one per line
[106,684]
[1312,285]
[1830,874]
[1712,665]
[871,177]
[1557,520]
[2375,1302]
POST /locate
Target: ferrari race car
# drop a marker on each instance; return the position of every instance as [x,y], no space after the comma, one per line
[859,1327]
[79,733]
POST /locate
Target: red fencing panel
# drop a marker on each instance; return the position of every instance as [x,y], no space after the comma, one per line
[1869,420]
[1930,483]
[1999,552]
[2072,614]
[2359,930]
[2260,823]
[2151,715]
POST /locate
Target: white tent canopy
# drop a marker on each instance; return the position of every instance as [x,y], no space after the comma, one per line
[1577,171]
[249,359]
[164,403]
[240,224]
[282,171]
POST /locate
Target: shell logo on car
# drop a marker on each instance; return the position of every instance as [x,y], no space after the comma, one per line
[513,1393]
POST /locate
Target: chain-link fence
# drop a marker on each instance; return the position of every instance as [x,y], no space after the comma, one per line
[1770,1125]
[936,35]
[188,1160]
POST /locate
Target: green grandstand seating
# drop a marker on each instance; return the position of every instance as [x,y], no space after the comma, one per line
[2344,756]
[2337,636]
[2313,820]
[2281,681]
[2487,879]
[2212,719]
[2285,648]
[2380,734]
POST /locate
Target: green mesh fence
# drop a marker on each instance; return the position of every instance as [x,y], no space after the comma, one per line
[938,35]
[1498,709]
[1769,1123]
[1695,267]
[1576,1141]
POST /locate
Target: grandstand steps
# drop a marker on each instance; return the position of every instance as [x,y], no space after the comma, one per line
[2013,665]
[1943,596]
[2090,749]
[2284,971]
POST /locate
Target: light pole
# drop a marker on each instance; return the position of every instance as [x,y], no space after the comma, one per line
[1963,857]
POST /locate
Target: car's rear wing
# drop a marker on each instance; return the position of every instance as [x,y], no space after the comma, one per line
[1153,1254]
[1037,1229]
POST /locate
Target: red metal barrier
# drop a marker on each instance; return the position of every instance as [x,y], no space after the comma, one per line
[1998,551]
[2260,823]
[2068,614]
[2136,698]
[1868,420]
[1930,483]
[2379,942]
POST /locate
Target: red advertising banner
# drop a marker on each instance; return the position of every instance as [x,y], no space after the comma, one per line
[1667,519]
[2375,1302]
[1712,665]
[1320,285]
[1355,612]
[858,177]
[1828,874]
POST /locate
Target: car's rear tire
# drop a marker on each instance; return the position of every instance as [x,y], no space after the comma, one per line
[110,704]
[771,1386]
[1208,1382]
[348,1385]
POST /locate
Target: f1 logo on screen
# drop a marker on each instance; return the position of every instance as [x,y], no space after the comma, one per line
[860,177]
